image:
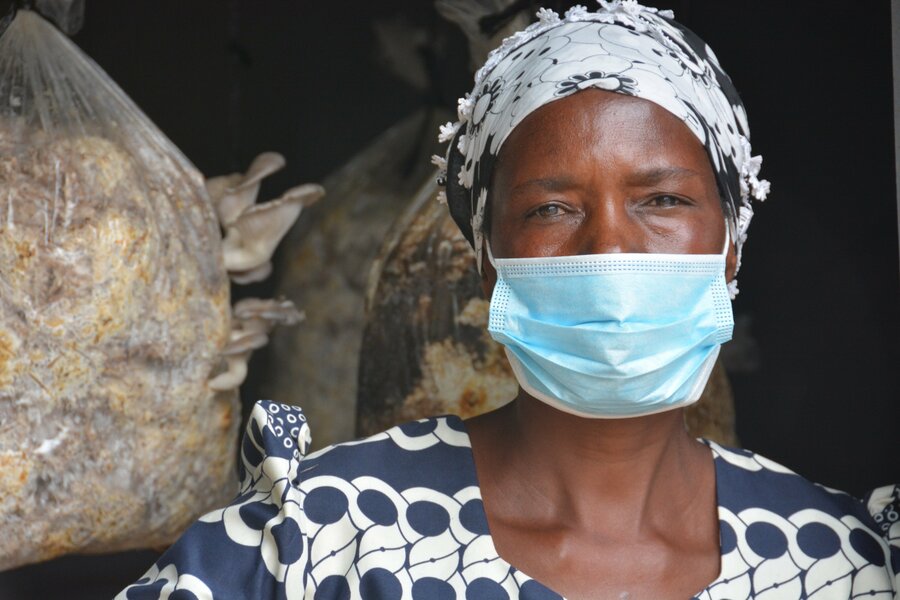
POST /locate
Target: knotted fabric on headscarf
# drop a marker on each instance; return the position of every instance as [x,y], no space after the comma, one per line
[624,48]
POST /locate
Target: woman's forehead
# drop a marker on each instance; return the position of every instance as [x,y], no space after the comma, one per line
[599,127]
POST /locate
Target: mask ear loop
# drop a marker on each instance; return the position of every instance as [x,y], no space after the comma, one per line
[727,237]
[490,255]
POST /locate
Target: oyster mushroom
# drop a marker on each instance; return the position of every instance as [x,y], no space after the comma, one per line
[253,320]
[236,353]
[252,232]
[232,194]
[254,314]
[251,276]
[251,238]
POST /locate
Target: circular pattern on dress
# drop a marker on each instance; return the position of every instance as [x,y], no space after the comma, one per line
[532,590]
[289,541]
[378,507]
[867,546]
[243,497]
[485,589]
[348,563]
[418,428]
[428,518]
[146,590]
[255,515]
[818,540]
[333,587]
[380,584]
[766,540]
[456,425]
[431,588]
[325,505]
[472,517]
[727,538]
[250,454]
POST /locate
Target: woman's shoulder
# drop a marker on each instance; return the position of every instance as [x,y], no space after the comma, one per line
[746,479]
[432,453]
[767,510]
[298,515]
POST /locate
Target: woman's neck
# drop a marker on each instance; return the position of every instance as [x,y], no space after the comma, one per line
[611,476]
[598,508]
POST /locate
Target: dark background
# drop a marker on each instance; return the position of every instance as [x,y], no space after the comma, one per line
[227,79]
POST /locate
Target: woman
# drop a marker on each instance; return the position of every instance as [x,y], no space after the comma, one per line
[602,171]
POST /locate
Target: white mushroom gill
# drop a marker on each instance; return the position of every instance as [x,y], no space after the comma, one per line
[259,273]
[253,314]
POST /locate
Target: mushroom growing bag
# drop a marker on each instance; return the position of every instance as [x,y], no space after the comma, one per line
[113,311]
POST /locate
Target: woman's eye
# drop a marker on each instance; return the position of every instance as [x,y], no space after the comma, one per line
[547,211]
[666,201]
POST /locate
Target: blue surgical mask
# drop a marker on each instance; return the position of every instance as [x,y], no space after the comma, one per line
[612,335]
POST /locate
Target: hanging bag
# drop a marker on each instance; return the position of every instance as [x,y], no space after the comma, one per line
[114,307]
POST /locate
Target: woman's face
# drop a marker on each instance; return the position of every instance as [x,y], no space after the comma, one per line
[599,172]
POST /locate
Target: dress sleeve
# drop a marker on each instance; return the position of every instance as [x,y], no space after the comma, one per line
[884,506]
[256,546]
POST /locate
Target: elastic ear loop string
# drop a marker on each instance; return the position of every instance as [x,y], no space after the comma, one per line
[490,255]
[727,237]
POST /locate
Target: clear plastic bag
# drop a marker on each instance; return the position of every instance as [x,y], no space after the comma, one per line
[114,306]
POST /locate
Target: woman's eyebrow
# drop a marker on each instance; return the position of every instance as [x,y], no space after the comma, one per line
[639,178]
[655,175]
[549,184]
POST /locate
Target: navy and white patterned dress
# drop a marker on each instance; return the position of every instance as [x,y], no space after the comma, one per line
[399,516]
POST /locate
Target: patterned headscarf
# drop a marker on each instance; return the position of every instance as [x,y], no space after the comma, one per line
[624,48]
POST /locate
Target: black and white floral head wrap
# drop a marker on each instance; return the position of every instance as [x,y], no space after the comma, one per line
[625,48]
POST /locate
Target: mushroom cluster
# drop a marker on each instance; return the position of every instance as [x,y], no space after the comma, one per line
[252,233]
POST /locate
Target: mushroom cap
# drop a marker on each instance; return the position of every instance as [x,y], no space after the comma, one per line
[244,342]
[233,377]
[251,275]
[262,166]
[281,311]
[235,193]
[216,187]
[251,239]
[307,193]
